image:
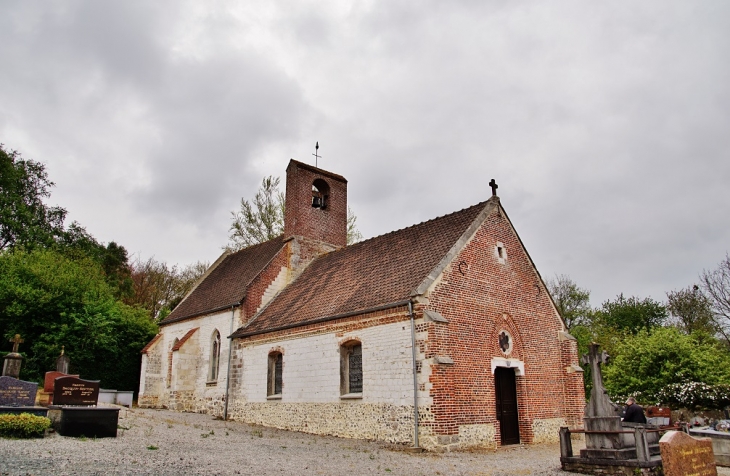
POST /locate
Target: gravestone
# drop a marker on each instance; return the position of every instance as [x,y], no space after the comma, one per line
[50,379]
[11,366]
[75,391]
[683,455]
[74,411]
[17,393]
[612,446]
[18,396]
[62,362]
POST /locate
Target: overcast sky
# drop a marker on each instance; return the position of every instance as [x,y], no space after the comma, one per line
[605,124]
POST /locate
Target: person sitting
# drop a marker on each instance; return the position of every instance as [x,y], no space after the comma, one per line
[634,413]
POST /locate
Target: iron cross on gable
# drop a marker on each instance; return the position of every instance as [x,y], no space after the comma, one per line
[16,342]
[494,186]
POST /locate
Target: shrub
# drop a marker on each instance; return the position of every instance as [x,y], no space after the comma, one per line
[24,425]
[695,395]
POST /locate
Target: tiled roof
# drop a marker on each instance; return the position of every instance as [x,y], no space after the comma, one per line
[383,270]
[184,339]
[226,284]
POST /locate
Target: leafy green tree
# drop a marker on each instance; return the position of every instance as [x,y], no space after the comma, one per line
[630,314]
[573,302]
[53,301]
[262,219]
[716,285]
[76,243]
[646,362]
[24,218]
[691,310]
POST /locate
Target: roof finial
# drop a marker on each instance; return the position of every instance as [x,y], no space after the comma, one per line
[316,148]
[62,347]
[494,186]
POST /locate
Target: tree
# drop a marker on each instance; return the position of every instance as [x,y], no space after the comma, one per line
[24,218]
[573,302]
[158,288]
[644,363]
[53,301]
[691,310]
[630,314]
[262,219]
[716,285]
[76,243]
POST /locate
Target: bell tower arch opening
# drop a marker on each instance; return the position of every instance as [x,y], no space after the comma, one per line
[315,211]
[320,194]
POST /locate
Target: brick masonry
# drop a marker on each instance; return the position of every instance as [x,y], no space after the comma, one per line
[490,285]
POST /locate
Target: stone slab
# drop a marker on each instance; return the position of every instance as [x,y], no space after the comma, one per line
[720,444]
[99,422]
[51,377]
[684,455]
[37,411]
[18,393]
[75,391]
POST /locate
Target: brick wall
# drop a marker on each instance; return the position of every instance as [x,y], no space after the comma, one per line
[481,294]
[327,225]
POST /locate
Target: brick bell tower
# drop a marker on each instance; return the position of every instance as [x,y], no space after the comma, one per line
[315,213]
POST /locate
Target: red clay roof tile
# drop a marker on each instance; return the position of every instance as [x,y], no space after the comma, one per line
[226,285]
[379,271]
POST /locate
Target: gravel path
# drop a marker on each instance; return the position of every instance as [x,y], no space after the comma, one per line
[160,442]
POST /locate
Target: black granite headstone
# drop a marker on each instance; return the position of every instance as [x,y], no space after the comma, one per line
[75,391]
[17,393]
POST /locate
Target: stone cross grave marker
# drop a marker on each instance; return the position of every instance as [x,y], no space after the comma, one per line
[684,455]
[11,366]
[599,405]
[17,393]
[16,342]
[75,391]
[62,362]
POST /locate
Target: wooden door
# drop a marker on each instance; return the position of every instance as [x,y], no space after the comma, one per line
[506,395]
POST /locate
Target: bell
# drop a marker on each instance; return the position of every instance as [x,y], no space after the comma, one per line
[316,202]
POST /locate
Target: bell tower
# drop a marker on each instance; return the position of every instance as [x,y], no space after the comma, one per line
[316,206]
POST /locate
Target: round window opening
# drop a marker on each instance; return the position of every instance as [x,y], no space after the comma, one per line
[505,342]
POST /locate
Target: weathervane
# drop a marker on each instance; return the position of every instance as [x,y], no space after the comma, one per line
[316,148]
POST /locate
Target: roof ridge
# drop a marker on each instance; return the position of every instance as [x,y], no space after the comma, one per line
[413,226]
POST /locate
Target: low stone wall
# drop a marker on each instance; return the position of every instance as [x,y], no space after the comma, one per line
[547,430]
[382,422]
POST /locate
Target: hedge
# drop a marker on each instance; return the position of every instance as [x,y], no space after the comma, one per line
[24,425]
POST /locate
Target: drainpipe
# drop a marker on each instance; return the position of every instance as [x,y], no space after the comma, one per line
[415,375]
[228,371]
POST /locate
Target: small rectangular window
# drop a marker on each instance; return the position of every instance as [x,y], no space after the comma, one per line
[351,370]
[274,382]
[355,369]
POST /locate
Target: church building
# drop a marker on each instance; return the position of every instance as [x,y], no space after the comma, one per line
[441,335]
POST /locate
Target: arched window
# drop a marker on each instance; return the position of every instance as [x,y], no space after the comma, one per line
[351,369]
[215,356]
[276,370]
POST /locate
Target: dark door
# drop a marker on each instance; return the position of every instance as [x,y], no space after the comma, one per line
[506,393]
